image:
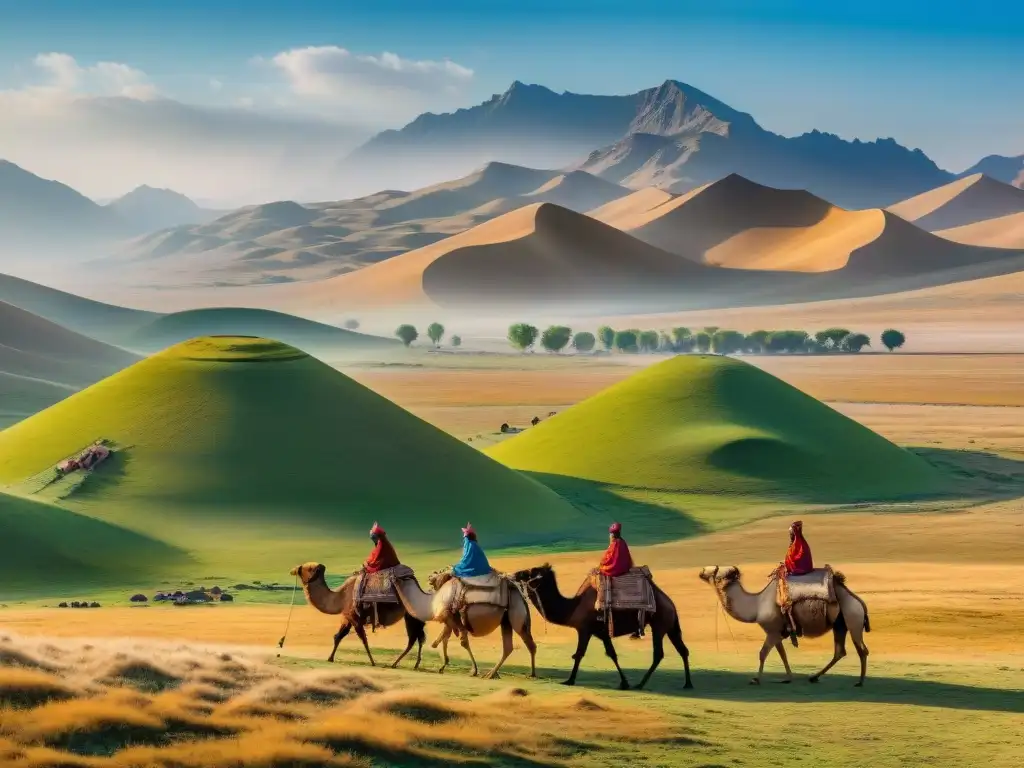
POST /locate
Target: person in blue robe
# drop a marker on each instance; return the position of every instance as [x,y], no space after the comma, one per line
[474,561]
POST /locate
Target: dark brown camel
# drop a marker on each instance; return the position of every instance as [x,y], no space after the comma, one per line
[580,613]
[339,602]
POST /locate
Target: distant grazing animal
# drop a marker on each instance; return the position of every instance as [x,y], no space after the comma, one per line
[580,613]
[476,618]
[535,421]
[340,601]
[816,617]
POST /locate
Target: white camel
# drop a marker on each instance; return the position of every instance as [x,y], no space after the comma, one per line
[479,620]
[762,608]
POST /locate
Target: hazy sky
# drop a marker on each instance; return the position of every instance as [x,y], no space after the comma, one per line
[230,100]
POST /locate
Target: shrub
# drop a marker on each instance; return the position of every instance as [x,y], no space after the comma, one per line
[626,341]
[647,341]
[352,325]
[583,341]
[556,338]
[407,333]
[607,337]
[787,341]
[702,341]
[855,342]
[522,336]
[728,342]
[435,331]
[456,341]
[893,339]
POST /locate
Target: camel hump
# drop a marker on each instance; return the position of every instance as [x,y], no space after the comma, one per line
[818,584]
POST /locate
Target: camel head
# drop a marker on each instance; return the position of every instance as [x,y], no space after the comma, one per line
[308,572]
[719,575]
[533,576]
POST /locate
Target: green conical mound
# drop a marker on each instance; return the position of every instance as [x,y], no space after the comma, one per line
[715,425]
[250,450]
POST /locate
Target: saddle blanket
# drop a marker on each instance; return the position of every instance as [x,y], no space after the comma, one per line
[632,591]
[819,584]
[492,589]
[379,587]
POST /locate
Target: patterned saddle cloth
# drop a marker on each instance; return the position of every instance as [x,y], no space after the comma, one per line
[819,584]
[491,589]
[379,587]
[633,591]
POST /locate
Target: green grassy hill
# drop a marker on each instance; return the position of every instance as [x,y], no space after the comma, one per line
[42,363]
[253,456]
[716,431]
[311,336]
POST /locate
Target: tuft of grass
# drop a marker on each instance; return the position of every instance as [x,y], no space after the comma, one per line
[26,688]
[141,675]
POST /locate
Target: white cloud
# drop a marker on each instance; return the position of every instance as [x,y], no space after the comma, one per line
[335,75]
[105,78]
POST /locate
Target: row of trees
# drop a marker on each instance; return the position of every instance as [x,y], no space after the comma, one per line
[556,338]
[435,332]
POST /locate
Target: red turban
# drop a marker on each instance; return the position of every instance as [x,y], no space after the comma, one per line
[615,528]
[468,529]
[377,530]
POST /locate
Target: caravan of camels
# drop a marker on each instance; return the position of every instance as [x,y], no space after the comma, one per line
[471,599]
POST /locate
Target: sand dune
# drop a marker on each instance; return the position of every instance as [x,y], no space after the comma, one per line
[620,213]
[1003,232]
[965,201]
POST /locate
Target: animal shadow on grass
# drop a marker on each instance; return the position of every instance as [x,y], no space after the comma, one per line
[725,685]
[978,474]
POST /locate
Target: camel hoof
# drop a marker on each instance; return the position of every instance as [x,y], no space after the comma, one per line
[623,686]
[568,682]
[440,671]
[755,681]
[688,686]
[813,679]
[858,685]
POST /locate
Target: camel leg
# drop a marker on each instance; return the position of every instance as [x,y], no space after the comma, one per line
[413,636]
[769,642]
[343,630]
[675,636]
[582,641]
[857,636]
[506,647]
[839,636]
[361,634]
[526,635]
[658,643]
[464,640]
[785,662]
[443,639]
[610,650]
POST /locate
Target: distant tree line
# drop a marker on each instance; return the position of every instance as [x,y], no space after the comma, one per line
[722,341]
[435,332]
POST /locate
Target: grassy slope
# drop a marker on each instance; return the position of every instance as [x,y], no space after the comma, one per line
[718,429]
[172,329]
[237,447]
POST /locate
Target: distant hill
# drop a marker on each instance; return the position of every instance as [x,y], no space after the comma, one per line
[673,136]
[146,209]
[1009,170]
[706,426]
[253,456]
[967,200]
[1002,232]
[285,241]
[42,363]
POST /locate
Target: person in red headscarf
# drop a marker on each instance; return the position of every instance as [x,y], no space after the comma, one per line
[616,561]
[798,557]
[383,555]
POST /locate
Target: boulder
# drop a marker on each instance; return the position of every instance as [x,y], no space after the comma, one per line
[226,598]
[139,598]
[63,605]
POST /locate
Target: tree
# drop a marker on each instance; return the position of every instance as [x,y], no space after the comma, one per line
[583,341]
[758,341]
[787,341]
[456,341]
[893,339]
[832,338]
[625,341]
[702,341]
[683,339]
[436,332]
[728,342]
[407,333]
[352,325]
[647,341]
[665,343]
[711,330]
[607,337]
[522,336]
[556,338]
[855,342]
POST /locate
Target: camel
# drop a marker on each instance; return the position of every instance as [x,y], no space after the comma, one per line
[339,601]
[850,614]
[581,614]
[478,620]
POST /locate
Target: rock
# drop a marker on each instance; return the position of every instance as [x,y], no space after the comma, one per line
[94,605]
[139,598]
[63,605]
[226,598]
[198,596]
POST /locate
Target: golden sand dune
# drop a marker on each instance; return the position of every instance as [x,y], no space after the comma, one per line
[739,224]
[964,201]
[1003,232]
[622,212]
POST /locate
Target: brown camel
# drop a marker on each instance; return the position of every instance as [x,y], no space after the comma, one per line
[762,608]
[581,614]
[339,601]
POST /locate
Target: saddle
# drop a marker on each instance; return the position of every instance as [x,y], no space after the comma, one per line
[633,591]
[818,586]
[379,587]
[490,589]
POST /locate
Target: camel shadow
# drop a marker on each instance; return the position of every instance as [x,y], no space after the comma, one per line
[980,475]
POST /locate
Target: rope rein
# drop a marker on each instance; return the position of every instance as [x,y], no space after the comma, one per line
[295,588]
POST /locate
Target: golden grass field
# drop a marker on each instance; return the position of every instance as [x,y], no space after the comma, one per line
[196,687]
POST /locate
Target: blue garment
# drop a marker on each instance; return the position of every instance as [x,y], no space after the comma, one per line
[473,562]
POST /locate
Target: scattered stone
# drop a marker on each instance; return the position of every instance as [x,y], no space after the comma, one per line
[63,605]
[139,598]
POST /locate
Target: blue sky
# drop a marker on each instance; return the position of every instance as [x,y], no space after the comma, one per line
[942,76]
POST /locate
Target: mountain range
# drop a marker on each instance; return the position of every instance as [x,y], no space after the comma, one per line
[673,136]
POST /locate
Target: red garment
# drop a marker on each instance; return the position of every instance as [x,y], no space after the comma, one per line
[616,561]
[382,557]
[798,558]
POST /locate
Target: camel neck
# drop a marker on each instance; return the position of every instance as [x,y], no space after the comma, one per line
[738,603]
[552,604]
[323,598]
[417,603]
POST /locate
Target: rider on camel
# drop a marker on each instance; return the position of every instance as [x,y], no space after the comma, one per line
[797,563]
[616,561]
[474,561]
[383,555]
